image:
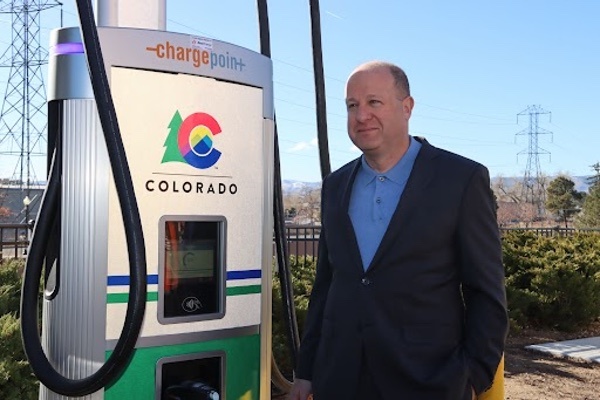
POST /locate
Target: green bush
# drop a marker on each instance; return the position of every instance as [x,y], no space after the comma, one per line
[303,275]
[10,286]
[16,379]
[552,282]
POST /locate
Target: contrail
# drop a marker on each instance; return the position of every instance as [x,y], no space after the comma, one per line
[333,15]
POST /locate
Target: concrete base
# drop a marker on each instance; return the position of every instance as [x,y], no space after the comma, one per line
[584,349]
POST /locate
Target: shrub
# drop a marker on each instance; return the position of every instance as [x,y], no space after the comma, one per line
[303,275]
[10,286]
[16,379]
[552,282]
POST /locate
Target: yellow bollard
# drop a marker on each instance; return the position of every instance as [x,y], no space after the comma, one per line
[496,392]
[247,396]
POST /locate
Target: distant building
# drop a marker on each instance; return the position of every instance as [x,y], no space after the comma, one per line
[12,206]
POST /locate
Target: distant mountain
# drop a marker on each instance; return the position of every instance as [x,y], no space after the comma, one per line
[581,184]
[294,187]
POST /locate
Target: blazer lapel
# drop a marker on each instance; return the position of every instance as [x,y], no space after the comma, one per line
[346,222]
[420,176]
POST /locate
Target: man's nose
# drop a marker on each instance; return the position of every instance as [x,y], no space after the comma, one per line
[362,114]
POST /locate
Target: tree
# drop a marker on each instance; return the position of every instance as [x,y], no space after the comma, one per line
[513,209]
[590,211]
[305,204]
[172,152]
[592,180]
[312,203]
[505,191]
[562,198]
[5,212]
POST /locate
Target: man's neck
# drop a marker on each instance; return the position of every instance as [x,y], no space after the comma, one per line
[384,162]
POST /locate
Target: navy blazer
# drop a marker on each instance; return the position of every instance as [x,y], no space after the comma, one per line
[429,314]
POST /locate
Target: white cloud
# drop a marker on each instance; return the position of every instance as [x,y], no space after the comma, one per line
[300,146]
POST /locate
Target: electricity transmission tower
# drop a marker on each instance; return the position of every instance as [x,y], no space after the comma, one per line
[23,116]
[533,189]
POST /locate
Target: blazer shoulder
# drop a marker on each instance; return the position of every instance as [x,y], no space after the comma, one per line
[454,162]
[342,175]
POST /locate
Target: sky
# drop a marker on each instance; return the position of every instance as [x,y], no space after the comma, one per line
[476,69]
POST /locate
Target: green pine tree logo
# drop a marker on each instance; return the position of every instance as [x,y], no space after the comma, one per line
[171,145]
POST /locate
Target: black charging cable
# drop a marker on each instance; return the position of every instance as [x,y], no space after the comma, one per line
[136,305]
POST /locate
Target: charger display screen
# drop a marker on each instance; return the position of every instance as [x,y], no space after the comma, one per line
[192,259]
[192,269]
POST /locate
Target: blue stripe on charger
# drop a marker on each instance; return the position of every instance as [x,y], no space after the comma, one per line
[123,280]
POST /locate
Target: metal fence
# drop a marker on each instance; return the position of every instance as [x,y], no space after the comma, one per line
[550,232]
[13,241]
[301,240]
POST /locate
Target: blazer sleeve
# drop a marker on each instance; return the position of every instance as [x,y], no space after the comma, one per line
[309,344]
[482,272]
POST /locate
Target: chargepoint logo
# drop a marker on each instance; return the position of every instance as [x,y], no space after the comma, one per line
[191,140]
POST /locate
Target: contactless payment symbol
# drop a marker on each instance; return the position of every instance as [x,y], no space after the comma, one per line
[190,140]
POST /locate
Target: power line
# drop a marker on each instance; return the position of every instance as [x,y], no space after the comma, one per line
[487,142]
[308,124]
[307,90]
[464,113]
[332,78]
[462,121]
[333,149]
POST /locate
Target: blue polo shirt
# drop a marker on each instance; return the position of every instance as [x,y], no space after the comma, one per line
[374,199]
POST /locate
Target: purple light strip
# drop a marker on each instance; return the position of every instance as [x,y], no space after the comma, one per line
[67,48]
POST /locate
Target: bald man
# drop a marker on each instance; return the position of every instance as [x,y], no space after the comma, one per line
[409,299]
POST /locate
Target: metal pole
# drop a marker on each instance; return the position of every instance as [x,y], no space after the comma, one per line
[145,14]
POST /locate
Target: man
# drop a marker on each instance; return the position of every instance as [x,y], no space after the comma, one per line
[409,299]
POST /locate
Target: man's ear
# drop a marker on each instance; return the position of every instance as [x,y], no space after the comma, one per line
[407,105]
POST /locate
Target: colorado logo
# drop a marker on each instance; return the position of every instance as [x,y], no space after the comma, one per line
[191,140]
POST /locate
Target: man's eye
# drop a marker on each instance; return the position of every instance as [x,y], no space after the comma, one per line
[374,102]
[350,106]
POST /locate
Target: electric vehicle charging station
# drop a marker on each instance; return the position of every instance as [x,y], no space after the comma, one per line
[196,117]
